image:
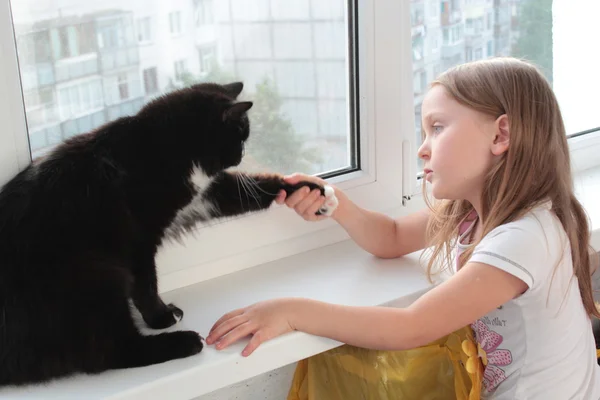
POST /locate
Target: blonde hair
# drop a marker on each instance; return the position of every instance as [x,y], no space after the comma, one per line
[536,167]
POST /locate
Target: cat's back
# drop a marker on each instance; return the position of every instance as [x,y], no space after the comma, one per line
[48,204]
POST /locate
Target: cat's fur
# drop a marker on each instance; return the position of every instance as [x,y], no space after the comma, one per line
[79,230]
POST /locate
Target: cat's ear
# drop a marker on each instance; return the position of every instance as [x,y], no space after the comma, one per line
[236,111]
[234,89]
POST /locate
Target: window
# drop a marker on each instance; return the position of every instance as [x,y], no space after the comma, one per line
[207,60]
[478,25]
[435,8]
[150,81]
[123,87]
[180,70]
[453,35]
[321,84]
[553,47]
[175,23]
[144,29]
[66,41]
[417,45]
[204,12]
[312,110]
[420,81]
[114,30]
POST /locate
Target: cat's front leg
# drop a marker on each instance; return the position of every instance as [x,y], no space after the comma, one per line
[234,193]
[155,312]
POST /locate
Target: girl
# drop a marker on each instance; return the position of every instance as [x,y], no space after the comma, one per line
[497,161]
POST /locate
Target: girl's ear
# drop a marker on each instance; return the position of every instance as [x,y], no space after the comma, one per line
[502,138]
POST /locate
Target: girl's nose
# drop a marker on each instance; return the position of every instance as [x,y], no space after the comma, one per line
[424,151]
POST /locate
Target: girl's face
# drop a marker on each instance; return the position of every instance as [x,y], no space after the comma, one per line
[460,146]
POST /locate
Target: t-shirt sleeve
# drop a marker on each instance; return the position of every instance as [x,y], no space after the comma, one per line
[518,250]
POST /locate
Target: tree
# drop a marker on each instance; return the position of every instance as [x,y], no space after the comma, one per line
[273,143]
[535,34]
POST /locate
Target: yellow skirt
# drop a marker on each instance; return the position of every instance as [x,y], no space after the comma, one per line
[448,368]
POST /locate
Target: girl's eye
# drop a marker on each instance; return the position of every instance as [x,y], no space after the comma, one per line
[437,128]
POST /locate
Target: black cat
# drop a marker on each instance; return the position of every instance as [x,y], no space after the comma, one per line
[79,230]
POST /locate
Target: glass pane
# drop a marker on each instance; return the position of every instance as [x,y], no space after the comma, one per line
[85,63]
[446,33]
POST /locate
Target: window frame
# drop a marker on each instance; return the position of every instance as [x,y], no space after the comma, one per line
[378,185]
[386,154]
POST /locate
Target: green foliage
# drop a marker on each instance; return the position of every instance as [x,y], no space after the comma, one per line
[535,34]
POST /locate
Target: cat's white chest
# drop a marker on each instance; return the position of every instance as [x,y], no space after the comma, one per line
[199,209]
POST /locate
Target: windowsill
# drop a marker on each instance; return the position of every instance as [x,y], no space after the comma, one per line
[340,273]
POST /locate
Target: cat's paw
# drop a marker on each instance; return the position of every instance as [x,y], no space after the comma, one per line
[166,317]
[185,343]
[331,202]
[179,344]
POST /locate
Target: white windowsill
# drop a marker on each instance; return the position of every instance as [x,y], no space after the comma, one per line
[340,273]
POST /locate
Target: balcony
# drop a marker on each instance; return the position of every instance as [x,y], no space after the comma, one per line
[36,75]
[41,115]
[76,67]
[125,108]
[116,58]
[450,17]
[450,51]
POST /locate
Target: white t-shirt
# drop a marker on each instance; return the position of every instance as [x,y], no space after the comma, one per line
[539,346]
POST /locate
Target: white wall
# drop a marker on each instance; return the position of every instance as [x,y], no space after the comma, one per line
[273,385]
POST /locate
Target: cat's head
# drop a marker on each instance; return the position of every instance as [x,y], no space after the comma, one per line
[204,122]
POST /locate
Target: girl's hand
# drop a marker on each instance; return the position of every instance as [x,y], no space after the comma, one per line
[305,202]
[265,320]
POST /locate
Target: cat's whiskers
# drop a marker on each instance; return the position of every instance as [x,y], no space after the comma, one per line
[246,192]
[257,186]
[237,181]
[248,187]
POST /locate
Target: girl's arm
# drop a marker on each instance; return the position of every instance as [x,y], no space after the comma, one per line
[380,234]
[376,233]
[473,292]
